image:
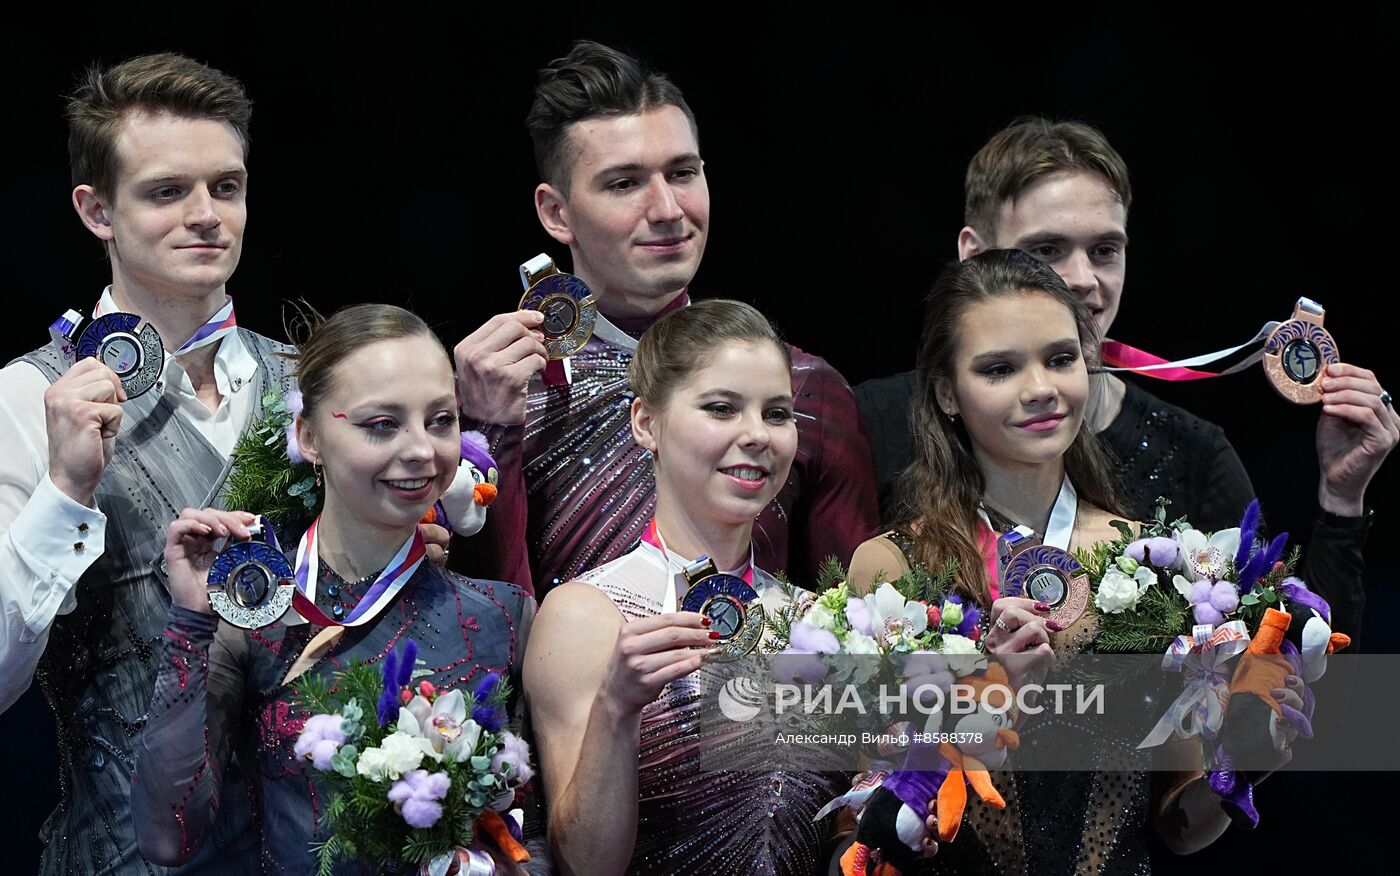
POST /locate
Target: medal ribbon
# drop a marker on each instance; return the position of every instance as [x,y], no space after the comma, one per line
[652,536]
[1119,356]
[380,593]
[220,324]
[212,331]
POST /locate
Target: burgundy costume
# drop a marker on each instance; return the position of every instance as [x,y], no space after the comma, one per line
[579,487]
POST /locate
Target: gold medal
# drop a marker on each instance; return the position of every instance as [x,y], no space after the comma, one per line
[730,603]
[566,302]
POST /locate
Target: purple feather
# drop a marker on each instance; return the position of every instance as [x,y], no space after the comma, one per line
[1250,525]
[1262,562]
[410,659]
[972,615]
[486,714]
[389,700]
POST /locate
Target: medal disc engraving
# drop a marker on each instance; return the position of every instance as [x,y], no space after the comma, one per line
[136,355]
[734,611]
[1297,352]
[569,312]
[250,585]
[1050,576]
[1048,586]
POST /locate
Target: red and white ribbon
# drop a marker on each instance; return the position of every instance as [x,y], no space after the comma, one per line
[1118,356]
[1201,658]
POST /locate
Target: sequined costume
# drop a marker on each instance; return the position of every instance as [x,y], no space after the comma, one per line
[691,819]
[220,692]
[1162,450]
[586,490]
[101,658]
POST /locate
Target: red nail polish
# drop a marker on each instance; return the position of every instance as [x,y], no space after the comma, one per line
[705,621]
[1040,606]
[714,634]
[1055,625]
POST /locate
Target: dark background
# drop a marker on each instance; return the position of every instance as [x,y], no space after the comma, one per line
[390,163]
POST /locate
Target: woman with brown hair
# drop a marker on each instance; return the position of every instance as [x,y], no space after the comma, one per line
[1002,388]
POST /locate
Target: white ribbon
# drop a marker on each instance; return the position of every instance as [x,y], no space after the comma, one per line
[1201,658]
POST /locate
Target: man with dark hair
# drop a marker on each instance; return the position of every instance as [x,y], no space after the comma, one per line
[1060,192]
[624,188]
[90,475]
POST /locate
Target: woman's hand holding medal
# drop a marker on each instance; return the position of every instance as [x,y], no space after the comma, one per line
[1019,627]
[652,652]
[189,551]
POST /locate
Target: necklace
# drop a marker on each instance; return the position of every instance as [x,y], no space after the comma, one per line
[344,594]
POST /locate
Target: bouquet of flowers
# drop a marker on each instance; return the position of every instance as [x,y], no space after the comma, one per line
[1201,600]
[921,635]
[413,772]
[916,614]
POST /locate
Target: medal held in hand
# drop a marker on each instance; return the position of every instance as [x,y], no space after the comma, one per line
[1044,573]
[251,584]
[114,339]
[1298,352]
[729,602]
[566,302]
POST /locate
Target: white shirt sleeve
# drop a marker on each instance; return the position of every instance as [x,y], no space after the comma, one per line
[47,540]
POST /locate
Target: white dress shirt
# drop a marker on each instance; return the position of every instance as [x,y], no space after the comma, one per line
[48,540]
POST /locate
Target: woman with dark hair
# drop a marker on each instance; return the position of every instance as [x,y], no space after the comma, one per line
[616,675]
[379,421]
[1002,388]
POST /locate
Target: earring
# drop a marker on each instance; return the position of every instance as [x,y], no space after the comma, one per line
[952,417]
[316,468]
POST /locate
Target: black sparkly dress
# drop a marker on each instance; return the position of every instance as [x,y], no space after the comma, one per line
[220,692]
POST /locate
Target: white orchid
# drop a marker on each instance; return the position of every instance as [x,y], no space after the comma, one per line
[887,615]
[443,724]
[1204,559]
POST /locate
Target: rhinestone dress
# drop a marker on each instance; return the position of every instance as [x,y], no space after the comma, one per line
[220,693]
[692,820]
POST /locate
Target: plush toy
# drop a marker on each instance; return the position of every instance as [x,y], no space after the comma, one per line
[892,830]
[462,509]
[1295,642]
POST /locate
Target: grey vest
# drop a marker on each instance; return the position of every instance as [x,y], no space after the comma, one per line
[99,667]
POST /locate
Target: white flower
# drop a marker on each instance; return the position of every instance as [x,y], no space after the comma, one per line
[855,643]
[1204,559]
[1119,592]
[399,753]
[373,764]
[405,752]
[443,724]
[962,654]
[891,615]
[821,617]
